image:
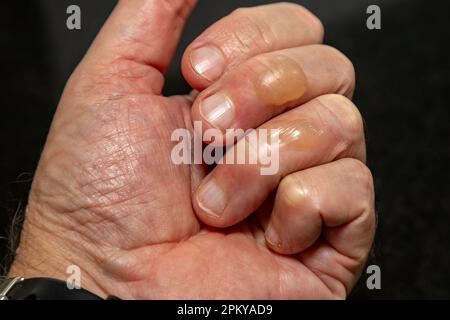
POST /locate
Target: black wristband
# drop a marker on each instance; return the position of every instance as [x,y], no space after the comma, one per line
[47,289]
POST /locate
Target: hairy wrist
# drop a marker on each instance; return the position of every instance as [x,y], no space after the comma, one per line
[50,250]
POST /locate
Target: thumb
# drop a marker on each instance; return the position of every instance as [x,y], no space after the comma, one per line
[141,32]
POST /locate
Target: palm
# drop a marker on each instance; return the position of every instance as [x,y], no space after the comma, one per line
[220,264]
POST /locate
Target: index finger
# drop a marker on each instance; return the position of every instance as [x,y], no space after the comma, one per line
[247,32]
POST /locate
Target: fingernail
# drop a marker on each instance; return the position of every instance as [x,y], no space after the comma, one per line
[218,110]
[272,236]
[208,62]
[212,199]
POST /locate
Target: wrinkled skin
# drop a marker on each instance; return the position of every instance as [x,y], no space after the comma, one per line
[107,197]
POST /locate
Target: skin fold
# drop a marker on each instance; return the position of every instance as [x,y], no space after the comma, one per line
[107,197]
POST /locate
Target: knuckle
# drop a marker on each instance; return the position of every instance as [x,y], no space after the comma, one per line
[317,27]
[347,76]
[239,12]
[249,32]
[294,194]
[367,223]
[346,114]
[179,8]
[361,172]
[363,180]
[344,71]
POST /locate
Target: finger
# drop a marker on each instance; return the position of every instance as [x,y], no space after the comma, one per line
[334,201]
[326,128]
[331,196]
[140,33]
[269,84]
[349,222]
[245,33]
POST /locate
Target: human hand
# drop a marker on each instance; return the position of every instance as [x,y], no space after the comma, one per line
[108,198]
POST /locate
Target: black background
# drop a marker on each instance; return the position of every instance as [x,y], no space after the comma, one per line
[403,91]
